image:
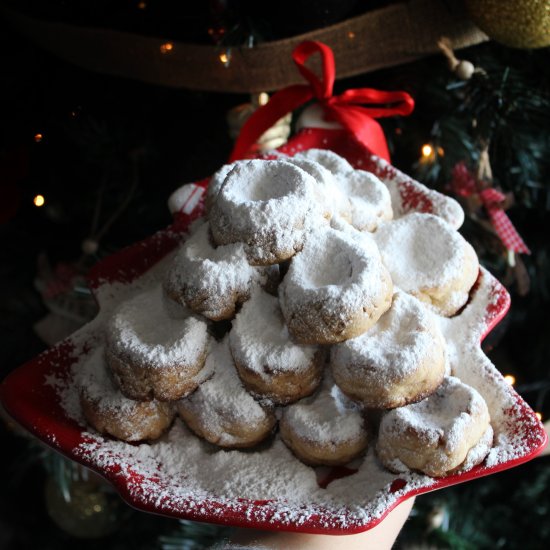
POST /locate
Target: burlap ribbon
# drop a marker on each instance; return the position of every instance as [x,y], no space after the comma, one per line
[386,37]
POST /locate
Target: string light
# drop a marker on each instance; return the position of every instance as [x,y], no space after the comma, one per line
[263,98]
[38,138]
[74,113]
[142,5]
[538,415]
[39,200]
[351,35]
[427,150]
[166,47]
[225,58]
[510,378]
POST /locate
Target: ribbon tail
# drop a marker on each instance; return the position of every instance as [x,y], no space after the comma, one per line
[506,231]
[365,128]
[501,222]
[281,103]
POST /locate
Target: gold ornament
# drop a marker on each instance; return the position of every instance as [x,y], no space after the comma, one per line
[89,510]
[516,23]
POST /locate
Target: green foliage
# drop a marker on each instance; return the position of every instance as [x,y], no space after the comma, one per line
[192,535]
[507,105]
[509,510]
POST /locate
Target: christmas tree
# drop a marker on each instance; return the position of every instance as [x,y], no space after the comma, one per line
[88,160]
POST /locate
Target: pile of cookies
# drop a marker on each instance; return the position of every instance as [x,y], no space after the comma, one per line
[299,307]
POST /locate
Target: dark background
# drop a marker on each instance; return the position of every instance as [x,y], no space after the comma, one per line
[93,128]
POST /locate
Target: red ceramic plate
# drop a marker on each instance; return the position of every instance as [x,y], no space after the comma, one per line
[29,396]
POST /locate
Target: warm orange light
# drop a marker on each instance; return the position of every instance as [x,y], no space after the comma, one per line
[510,378]
[38,138]
[440,151]
[351,35]
[39,200]
[142,5]
[427,150]
[538,415]
[166,47]
[224,58]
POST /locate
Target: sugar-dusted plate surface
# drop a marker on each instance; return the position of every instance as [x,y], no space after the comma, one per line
[183,477]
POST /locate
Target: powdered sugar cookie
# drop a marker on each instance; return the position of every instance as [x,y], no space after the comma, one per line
[429,259]
[215,184]
[212,281]
[329,194]
[153,355]
[399,360]
[110,412]
[268,362]
[326,428]
[336,288]
[368,199]
[333,162]
[436,435]
[221,410]
[269,205]
[476,455]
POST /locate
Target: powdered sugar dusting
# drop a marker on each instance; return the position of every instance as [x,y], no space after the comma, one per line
[217,276]
[326,417]
[328,159]
[340,269]
[93,379]
[216,182]
[408,195]
[420,251]
[370,200]
[328,192]
[509,420]
[68,395]
[142,329]
[182,474]
[221,403]
[479,452]
[268,205]
[444,417]
[394,347]
[260,339]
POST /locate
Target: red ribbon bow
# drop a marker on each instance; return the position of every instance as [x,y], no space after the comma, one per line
[347,109]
